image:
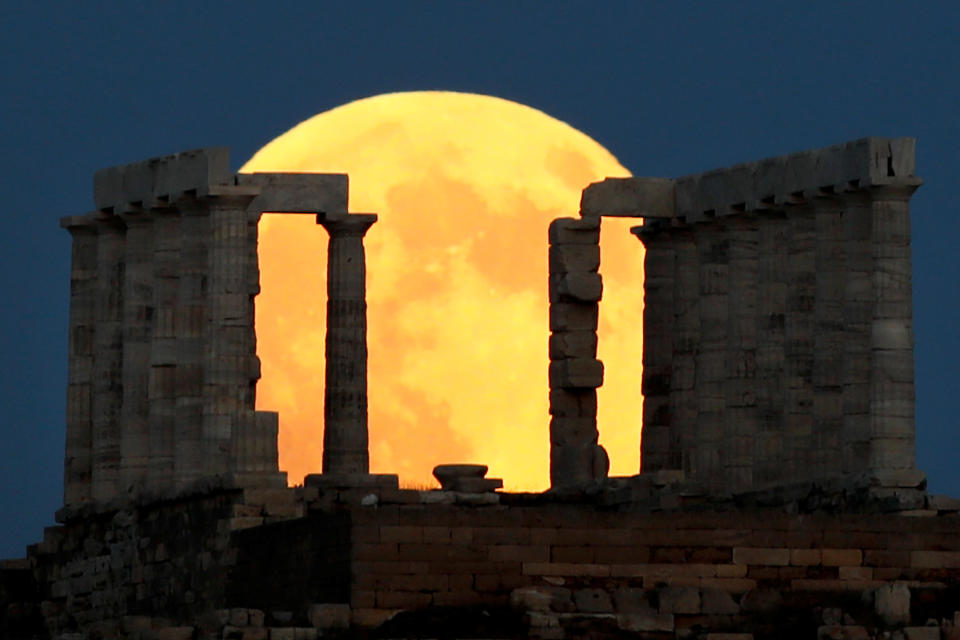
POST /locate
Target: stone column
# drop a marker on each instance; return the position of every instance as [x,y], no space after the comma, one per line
[83,319]
[827,443]
[740,415]
[345,438]
[713,251]
[164,348]
[771,378]
[798,343]
[137,328]
[892,399]
[686,345]
[858,308]
[108,358]
[191,329]
[227,384]
[659,445]
[575,288]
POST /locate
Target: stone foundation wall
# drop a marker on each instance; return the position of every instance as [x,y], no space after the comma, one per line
[261,563]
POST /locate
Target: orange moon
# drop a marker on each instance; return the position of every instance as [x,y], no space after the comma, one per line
[465,186]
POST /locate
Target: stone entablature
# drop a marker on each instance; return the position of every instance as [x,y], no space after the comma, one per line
[778,322]
[162,355]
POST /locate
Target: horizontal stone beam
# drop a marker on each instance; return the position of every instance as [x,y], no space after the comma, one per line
[313,193]
[629,198]
[755,186]
[783,180]
[160,180]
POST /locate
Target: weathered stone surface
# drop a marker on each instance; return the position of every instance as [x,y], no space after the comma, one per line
[718,602]
[592,601]
[684,600]
[892,603]
[629,197]
[329,616]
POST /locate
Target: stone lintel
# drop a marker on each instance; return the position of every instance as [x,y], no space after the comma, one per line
[772,183]
[312,193]
[161,180]
[629,198]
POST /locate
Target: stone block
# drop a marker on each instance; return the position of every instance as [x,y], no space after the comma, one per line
[576,287]
[891,602]
[761,600]
[238,618]
[325,193]
[679,600]
[943,503]
[629,198]
[922,633]
[573,344]
[717,602]
[576,373]
[761,556]
[574,258]
[329,616]
[631,600]
[804,557]
[173,633]
[575,231]
[531,599]
[646,621]
[572,316]
[592,601]
[841,557]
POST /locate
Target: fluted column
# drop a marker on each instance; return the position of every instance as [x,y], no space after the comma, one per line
[83,318]
[345,439]
[228,377]
[108,358]
[164,348]
[659,448]
[137,328]
[892,400]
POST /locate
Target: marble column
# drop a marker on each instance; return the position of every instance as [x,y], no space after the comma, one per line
[164,348]
[826,458]
[740,423]
[713,251]
[892,399]
[345,438]
[771,385]
[108,358]
[575,289]
[798,342]
[227,384]
[190,320]
[659,447]
[83,318]
[686,345]
[137,329]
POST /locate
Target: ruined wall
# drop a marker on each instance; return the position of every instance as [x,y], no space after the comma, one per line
[274,562]
[778,341]
[162,351]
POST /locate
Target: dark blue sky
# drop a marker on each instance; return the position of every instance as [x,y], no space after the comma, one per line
[670,88]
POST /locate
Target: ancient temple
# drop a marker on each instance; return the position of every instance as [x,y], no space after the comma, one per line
[778,495]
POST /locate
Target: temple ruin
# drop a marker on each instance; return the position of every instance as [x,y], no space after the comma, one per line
[778,495]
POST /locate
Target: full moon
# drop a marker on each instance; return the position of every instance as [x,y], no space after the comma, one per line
[465,186]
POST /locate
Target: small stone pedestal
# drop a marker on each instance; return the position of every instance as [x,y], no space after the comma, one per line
[465,478]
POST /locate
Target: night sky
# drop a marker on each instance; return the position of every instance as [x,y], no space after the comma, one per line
[669,88]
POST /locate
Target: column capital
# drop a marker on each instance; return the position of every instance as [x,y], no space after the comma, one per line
[354,224]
